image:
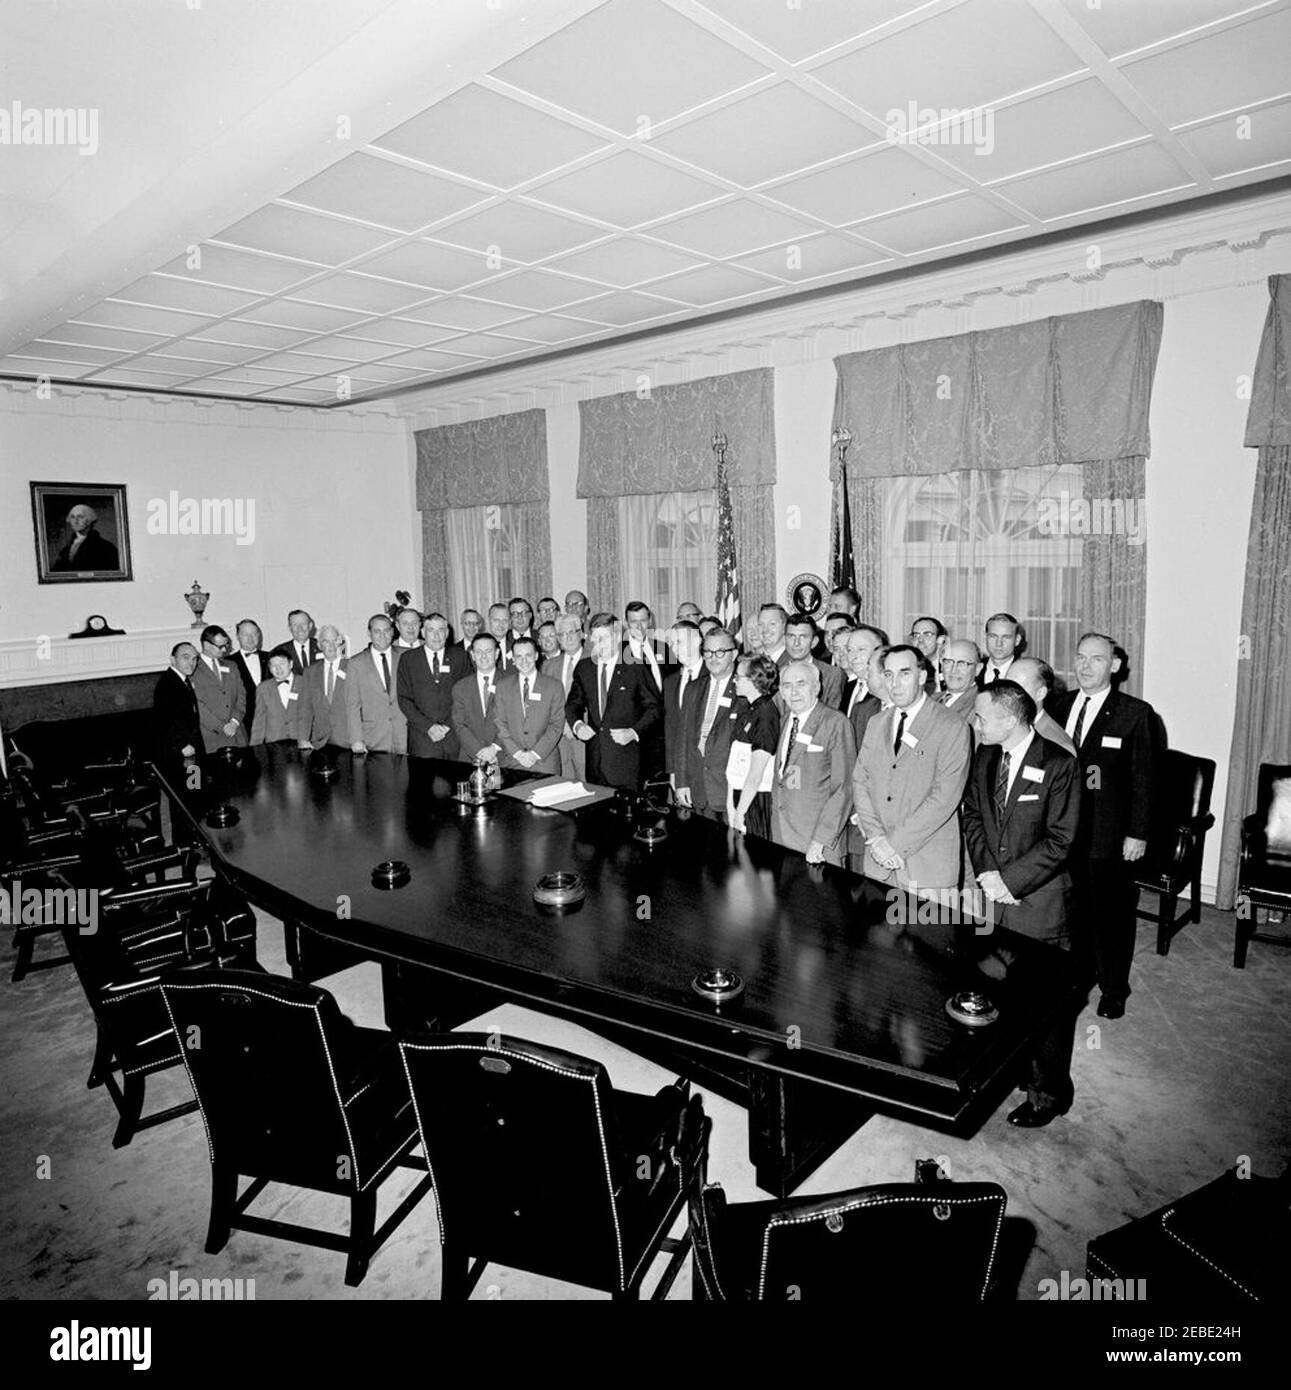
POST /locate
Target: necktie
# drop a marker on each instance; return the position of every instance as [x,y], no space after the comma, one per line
[1001,787]
[788,748]
[525,696]
[710,714]
[485,691]
[900,734]
[996,675]
[215,666]
[300,656]
[328,679]
[605,688]
[1078,731]
[385,672]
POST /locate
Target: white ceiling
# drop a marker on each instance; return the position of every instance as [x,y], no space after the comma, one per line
[523,175]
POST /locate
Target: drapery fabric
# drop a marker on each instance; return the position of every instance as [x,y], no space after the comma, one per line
[1066,389]
[1262,715]
[658,439]
[1073,389]
[669,550]
[498,462]
[1113,563]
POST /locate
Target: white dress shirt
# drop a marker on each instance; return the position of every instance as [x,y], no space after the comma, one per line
[1016,756]
[1096,703]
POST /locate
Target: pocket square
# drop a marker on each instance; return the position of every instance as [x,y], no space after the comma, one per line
[1029,797]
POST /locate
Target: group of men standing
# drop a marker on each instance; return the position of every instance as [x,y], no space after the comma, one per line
[926,765]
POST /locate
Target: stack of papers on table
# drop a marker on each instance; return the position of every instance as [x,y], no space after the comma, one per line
[558,793]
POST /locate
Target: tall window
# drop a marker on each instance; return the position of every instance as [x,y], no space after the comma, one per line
[486,546]
[669,550]
[961,546]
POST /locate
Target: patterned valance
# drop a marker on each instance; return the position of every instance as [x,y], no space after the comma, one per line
[660,439]
[1268,422]
[1067,389]
[482,462]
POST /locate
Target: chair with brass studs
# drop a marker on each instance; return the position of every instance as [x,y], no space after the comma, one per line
[872,1243]
[540,1165]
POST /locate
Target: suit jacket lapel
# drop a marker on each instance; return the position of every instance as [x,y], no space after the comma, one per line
[1034,757]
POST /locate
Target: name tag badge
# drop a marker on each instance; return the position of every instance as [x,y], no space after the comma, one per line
[293,695]
[1033,774]
[909,739]
[1033,797]
[805,740]
[815,748]
[1111,741]
[340,675]
[724,701]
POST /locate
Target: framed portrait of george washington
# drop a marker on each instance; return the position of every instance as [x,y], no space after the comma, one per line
[82,532]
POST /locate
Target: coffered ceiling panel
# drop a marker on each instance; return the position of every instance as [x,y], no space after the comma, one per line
[544,174]
[631,62]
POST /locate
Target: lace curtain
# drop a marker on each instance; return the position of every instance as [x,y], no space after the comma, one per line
[483,493]
[1069,395]
[659,441]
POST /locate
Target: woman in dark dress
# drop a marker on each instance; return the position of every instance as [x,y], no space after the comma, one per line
[754,739]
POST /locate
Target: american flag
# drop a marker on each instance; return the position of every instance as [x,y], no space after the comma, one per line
[728,573]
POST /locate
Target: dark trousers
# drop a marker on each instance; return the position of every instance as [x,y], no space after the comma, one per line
[1106,899]
[1049,1083]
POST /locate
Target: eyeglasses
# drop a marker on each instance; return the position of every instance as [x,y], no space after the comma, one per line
[958,665]
[717,651]
[222,646]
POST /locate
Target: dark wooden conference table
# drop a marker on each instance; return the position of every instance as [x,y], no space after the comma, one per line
[843,1010]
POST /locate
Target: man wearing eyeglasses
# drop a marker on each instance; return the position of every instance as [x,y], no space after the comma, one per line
[928,637]
[221,699]
[959,678]
[714,723]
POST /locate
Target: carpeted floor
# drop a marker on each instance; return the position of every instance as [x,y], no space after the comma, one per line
[1192,1080]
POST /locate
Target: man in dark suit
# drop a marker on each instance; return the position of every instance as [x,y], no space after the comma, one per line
[425,684]
[714,724]
[221,704]
[251,664]
[928,637]
[325,715]
[519,624]
[611,707]
[86,550]
[1116,742]
[858,701]
[641,645]
[1005,642]
[472,621]
[799,642]
[408,623]
[684,694]
[177,731]
[1021,814]
[301,648]
[529,710]
[474,696]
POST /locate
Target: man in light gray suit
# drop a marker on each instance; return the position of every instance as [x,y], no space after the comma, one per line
[1037,679]
[221,696]
[909,780]
[377,724]
[324,715]
[569,632]
[811,791]
[959,678]
[529,709]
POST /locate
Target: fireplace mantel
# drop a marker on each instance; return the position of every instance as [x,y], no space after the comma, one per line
[31,661]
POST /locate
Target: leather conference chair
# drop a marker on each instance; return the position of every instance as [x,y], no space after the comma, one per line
[99,852]
[140,938]
[539,1164]
[291,1091]
[1264,869]
[1172,864]
[872,1244]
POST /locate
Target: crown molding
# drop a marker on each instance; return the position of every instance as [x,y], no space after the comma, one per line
[1189,253]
